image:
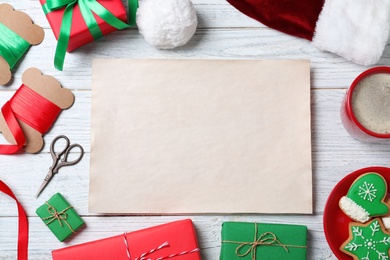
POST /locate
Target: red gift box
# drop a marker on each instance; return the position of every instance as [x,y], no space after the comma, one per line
[79,34]
[176,240]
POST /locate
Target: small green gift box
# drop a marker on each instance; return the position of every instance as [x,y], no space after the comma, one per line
[60,217]
[256,241]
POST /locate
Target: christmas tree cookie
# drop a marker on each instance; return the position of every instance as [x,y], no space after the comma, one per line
[367,241]
[365,198]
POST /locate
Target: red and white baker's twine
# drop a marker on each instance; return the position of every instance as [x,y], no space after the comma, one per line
[144,255]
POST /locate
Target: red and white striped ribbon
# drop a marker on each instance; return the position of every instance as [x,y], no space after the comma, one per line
[165,244]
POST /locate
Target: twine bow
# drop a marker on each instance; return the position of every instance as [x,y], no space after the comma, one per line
[60,216]
[265,239]
[87,8]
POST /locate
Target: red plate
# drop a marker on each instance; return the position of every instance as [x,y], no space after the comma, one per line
[335,221]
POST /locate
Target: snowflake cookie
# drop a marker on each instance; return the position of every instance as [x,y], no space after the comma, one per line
[365,198]
[367,241]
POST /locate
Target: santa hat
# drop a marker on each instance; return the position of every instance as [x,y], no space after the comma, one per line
[357,30]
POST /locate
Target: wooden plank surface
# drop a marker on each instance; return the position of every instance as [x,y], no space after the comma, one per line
[223,33]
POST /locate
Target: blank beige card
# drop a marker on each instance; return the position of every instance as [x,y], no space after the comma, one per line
[200,136]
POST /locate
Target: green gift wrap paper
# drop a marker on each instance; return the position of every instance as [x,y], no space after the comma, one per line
[256,241]
[60,217]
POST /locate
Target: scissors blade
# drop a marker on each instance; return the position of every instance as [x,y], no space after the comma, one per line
[45,182]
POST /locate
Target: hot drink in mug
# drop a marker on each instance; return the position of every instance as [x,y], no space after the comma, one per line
[365,111]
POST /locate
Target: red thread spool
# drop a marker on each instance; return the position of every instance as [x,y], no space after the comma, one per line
[31,108]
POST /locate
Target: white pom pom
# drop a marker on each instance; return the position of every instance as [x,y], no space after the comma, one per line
[166,24]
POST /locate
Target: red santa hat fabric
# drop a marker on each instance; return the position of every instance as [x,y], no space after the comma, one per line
[357,30]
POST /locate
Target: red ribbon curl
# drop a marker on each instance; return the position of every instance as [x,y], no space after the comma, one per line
[22,224]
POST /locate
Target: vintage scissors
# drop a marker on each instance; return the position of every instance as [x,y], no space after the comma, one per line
[58,160]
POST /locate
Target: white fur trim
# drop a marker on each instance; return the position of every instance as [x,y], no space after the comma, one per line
[353,210]
[357,30]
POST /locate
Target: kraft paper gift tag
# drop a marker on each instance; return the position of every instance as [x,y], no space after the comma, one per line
[200,136]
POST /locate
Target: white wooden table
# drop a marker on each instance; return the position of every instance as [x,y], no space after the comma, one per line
[223,33]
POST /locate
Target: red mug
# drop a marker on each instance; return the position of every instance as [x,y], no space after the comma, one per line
[348,118]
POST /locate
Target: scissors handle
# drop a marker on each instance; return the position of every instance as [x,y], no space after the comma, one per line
[57,155]
[64,161]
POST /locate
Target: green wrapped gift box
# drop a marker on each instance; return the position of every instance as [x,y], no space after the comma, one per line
[60,217]
[256,241]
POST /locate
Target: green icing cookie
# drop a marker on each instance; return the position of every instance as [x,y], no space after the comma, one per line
[368,241]
[365,198]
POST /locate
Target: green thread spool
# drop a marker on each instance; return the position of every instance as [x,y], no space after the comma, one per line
[12,46]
